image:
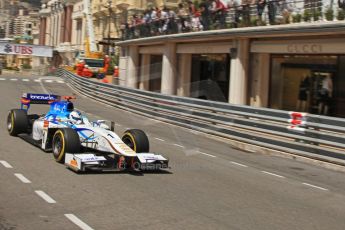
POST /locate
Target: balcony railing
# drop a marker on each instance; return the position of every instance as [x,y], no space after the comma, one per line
[272,12]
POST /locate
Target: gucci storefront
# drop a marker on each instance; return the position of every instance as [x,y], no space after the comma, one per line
[304,75]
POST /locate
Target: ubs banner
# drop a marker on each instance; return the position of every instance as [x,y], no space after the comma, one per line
[26,49]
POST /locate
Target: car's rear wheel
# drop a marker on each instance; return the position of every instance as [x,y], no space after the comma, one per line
[137,140]
[65,141]
[17,122]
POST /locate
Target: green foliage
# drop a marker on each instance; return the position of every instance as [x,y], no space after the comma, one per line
[341,14]
[329,14]
[317,14]
[254,21]
[307,15]
[297,18]
[196,4]
[26,66]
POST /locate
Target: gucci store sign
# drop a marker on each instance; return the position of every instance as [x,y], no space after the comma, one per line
[329,46]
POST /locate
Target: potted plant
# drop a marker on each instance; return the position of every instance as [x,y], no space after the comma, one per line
[253,21]
[307,15]
[329,14]
[296,18]
[341,14]
[316,14]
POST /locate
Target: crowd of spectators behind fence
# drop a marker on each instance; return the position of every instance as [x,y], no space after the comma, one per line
[213,14]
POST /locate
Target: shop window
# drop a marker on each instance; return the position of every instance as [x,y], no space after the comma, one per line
[155,80]
[312,84]
[210,76]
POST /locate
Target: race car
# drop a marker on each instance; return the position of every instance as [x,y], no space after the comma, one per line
[79,143]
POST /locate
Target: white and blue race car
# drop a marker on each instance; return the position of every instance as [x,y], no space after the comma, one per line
[79,143]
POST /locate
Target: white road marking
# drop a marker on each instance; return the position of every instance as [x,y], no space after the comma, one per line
[2,79]
[272,174]
[179,145]
[250,150]
[206,154]
[44,89]
[194,132]
[159,139]
[45,197]
[37,80]
[60,82]
[22,178]
[25,80]
[48,81]
[6,164]
[314,186]
[78,222]
[118,125]
[235,163]
[14,79]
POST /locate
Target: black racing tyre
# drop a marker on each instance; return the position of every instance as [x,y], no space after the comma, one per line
[65,141]
[17,122]
[137,140]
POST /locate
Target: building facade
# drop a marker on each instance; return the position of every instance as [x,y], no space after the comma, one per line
[282,67]
[56,29]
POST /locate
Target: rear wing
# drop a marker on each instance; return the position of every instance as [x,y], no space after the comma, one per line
[34,98]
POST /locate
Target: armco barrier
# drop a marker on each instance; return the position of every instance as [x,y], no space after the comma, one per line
[312,136]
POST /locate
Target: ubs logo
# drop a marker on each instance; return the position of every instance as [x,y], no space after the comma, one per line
[8,48]
[304,48]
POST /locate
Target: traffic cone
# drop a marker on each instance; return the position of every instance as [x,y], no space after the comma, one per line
[105,80]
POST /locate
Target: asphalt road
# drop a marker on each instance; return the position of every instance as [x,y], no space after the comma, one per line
[210,185]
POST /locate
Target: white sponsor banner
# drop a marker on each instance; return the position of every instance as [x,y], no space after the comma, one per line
[26,49]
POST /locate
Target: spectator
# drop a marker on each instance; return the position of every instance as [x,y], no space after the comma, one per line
[283,12]
[147,21]
[272,9]
[235,8]
[123,31]
[172,25]
[191,8]
[220,13]
[196,24]
[212,11]
[183,17]
[205,14]
[164,20]
[154,22]
[260,6]
[245,4]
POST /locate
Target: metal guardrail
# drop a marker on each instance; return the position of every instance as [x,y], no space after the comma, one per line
[308,135]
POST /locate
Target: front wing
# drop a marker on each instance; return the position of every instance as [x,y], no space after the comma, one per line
[81,162]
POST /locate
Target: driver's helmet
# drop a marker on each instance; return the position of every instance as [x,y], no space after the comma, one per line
[76,117]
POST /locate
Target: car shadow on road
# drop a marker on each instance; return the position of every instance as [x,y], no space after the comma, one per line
[130,172]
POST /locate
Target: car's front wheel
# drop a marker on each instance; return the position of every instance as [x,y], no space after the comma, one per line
[65,141]
[137,140]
